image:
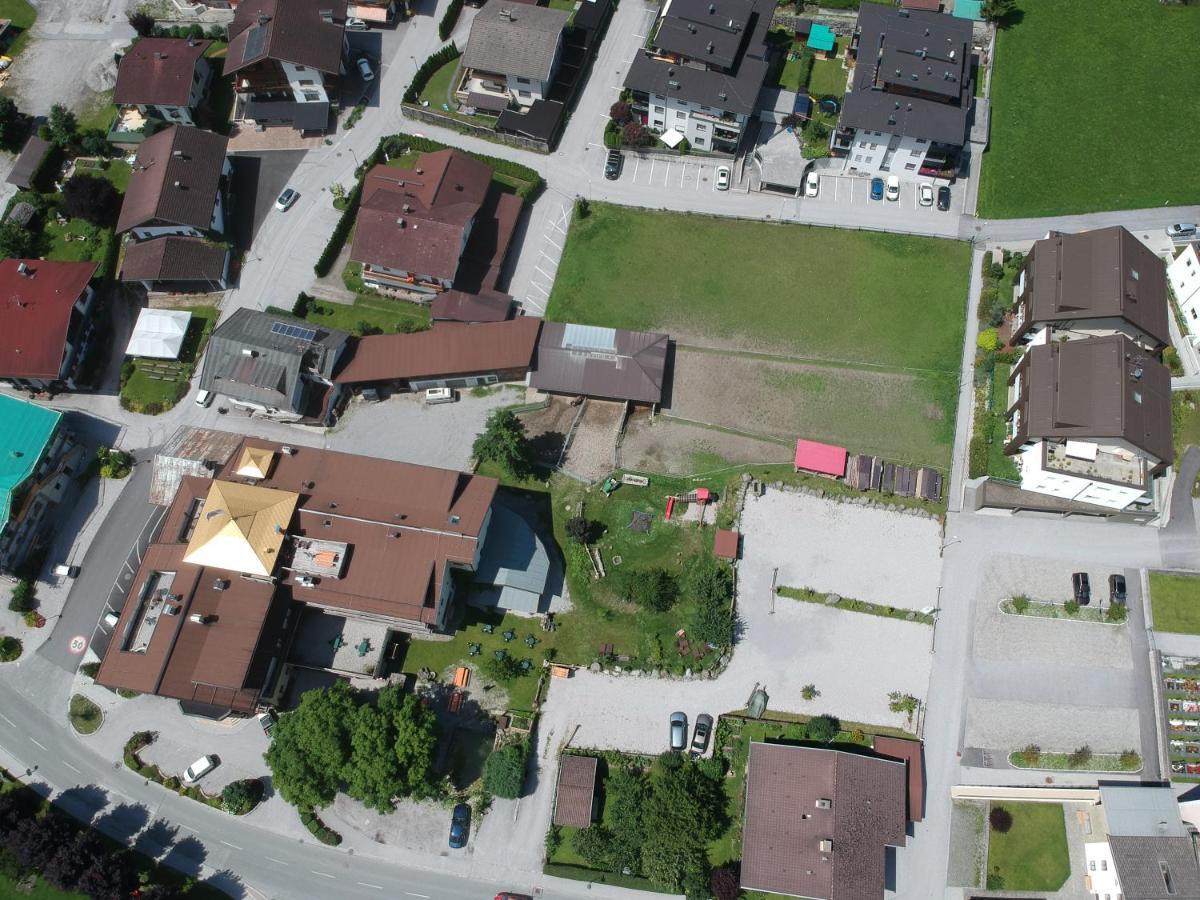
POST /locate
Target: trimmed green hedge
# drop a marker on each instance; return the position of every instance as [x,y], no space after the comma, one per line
[319,829]
[450,19]
[580,873]
[349,215]
[431,65]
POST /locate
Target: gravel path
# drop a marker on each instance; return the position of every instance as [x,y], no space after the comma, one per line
[591,452]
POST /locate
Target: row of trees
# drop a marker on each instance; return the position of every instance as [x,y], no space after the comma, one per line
[338,740]
[704,580]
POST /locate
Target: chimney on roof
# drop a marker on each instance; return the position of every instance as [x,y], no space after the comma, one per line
[199,619]
[179,184]
[712,8]
[327,16]
[506,13]
[400,222]
[826,846]
[710,46]
[952,52]
[23,269]
[178,154]
[691,27]
[158,54]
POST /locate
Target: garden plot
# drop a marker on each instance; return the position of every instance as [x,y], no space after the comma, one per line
[678,448]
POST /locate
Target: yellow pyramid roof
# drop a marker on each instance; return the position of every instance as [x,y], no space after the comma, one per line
[241,528]
[255,462]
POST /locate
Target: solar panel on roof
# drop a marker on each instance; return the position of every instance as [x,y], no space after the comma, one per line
[293,331]
[590,337]
[256,41]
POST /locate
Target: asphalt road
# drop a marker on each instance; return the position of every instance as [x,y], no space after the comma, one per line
[258,179]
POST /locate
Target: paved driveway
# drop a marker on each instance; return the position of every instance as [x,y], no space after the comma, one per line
[854,191]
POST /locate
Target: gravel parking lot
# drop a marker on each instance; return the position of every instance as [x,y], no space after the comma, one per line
[1012,724]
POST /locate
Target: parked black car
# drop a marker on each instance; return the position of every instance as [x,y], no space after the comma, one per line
[1082,588]
[943,201]
[460,826]
[1116,589]
[612,165]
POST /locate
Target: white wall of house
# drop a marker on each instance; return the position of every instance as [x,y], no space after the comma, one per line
[693,120]
[308,85]
[1072,487]
[525,90]
[1101,871]
[879,151]
[1081,329]
[1184,275]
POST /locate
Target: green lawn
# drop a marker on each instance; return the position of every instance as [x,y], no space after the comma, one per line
[41,891]
[821,293]
[1185,409]
[23,16]
[156,385]
[117,171]
[1061,143]
[375,311]
[1000,465]
[1175,602]
[828,78]
[93,246]
[790,76]
[98,114]
[1032,855]
[437,90]
[85,716]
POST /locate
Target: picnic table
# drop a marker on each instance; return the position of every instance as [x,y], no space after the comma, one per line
[337,641]
[488,627]
[509,635]
[501,653]
[364,647]
[474,649]
[531,641]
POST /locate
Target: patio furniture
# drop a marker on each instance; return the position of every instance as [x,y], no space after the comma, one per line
[531,641]
[606,649]
[501,654]
[462,677]
[509,635]
[488,627]
[364,647]
[526,665]
[473,649]
[337,642]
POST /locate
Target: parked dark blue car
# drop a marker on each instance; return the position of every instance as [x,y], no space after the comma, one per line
[460,826]
[876,188]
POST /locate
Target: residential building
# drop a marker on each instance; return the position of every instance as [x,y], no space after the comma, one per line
[1183,272]
[818,822]
[606,363]
[160,79]
[286,59]
[1092,284]
[438,225]
[39,458]
[45,322]
[451,354]
[909,102]
[1090,420]
[702,71]
[274,535]
[178,265]
[275,366]
[1139,848]
[512,55]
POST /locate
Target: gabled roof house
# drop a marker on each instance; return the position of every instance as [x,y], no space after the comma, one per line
[607,363]
[164,78]
[45,321]
[512,55]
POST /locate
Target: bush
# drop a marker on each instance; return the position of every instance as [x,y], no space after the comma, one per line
[1117,613]
[988,340]
[90,669]
[1031,755]
[92,199]
[580,529]
[10,648]
[505,668]
[1020,603]
[504,771]
[427,68]
[301,306]
[1071,607]
[23,595]
[1130,760]
[450,19]
[1172,361]
[823,728]
[634,134]
[1080,757]
[115,463]
[239,797]
[1000,819]
[504,442]
[654,589]
[809,692]
[620,112]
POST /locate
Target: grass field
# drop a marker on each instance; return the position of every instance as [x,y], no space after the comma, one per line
[1175,602]
[94,245]
[23,16]
[818,293]
[1032,855]
[85,716]
[828,78]
[437,90]
[98,114]
[1185,410]
[1061,145]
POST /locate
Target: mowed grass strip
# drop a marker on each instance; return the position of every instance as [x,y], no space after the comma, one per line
[1032,854]
[1175,602]
[846,296]
[1093,108]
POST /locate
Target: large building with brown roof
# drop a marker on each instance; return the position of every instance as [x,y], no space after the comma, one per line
[1093,284]
[608,363]
[818,821]
[45,321]
[1090,420]
[438,225]
[209,615]
[286,57]
[164,78]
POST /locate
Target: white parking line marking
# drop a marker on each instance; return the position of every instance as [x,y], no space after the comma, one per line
[558,246]
[377,887]
[682,175]
[40,744]
[189,828]
[72,768]
[422,896]
[544,272]
[8,720]
[637,162]
[274,860]
[323,874]
[234,846]
[652,164]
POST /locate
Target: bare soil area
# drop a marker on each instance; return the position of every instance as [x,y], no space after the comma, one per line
[547,429]
[678,448]
[591,452]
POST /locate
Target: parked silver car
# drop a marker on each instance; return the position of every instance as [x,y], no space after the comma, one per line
[679,730]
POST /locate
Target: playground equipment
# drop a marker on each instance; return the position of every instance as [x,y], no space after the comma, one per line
[700,495]
[610,485]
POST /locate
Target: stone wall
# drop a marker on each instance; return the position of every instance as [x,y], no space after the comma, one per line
[431,117]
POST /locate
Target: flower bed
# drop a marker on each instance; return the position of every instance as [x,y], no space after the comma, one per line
[1063,762]
[808,595]
[1014,606]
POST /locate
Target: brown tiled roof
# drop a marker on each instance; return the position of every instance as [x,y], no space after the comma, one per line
[287,30]
[911,753]
[35,314]
[1106,273]
[414,219]
[576,790]
[610,363]
[455,306]
[405,525]
[174,258]
[725,545]
[785,823]
[158,71]
[175,179]
[449,349]
[1102,387]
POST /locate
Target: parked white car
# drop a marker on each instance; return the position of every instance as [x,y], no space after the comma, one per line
[925,193]
[199,769]
[440,395]
[893,187]
[204,398]
[723,178]
[812,184]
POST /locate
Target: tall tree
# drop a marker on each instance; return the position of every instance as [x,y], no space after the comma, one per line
[504,442]
[13,125]
[415,738]
[37,839]
[311,746]
[92,199]
[73,858]
[142,22]
[373,775]
[16,241]
[62,125]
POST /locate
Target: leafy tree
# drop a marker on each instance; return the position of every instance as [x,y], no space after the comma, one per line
[13,125]
[16,241]
[625,798]
[635,134]
[311,747]
[36,840]
[810,692]
[724,883]
[374,771]
[503,441]
[239,796]
[710,585]
[115,875]
[823,728]
[505,668]
[73,858]
[598,847]
[22,598]
[92,199]
[94,143]
[61,125]
[580,529]
[654,589]
[1000,819]
[142,22]
[414,738]
[675,864]
[10,648]
[504,771]
[620,112]
[998,10]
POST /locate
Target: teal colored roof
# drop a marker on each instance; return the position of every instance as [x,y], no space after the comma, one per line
[968,9]
[821,38]
[25,430]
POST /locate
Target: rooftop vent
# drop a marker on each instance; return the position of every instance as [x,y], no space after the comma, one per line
[903,13]
[179,184]
[826,846]
[158,54]
[723,95]
[691,27]
[327,16]
[926,32]
[952,52]
[712,8]
[673,83]
[326,524]
[506,13]
[309,485]
[288,451]
[824,803]
[249,351]
[200,619]
[220,584]
[178,154]
[22,268]
[710,46]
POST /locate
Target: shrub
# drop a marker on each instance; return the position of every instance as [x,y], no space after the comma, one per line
[10,648]
[620,112]
[1031,755]
[90,669]
[22,599]
[505,668]
[654,589]
[300,307]
[1071,607]
[450,19]
[427,68]
[1130,760]
[1020,603]
[899,702]
[1080,757]
[579,529]
[823,728]
[1000,819]
[504,771]
[239,797]
[988,340]
[92,199]
[809,692]
[1116,612]
[1172,360]
[635,135]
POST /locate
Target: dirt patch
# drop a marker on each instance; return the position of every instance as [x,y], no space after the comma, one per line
[591,452]
[547,429]
[678,448]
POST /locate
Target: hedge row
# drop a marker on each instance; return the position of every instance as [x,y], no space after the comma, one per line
[450,19]
[142,739]
[319,829]
[431,65]
[337,240]
[396,144]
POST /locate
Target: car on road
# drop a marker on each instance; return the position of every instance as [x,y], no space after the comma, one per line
[678,730]
[700,736]
[876,188]
[812,184]
[267,721]
[1081,588]
[460,826]
[204,398]
[364,69]
[723,178]
[893,187]
[925,194]
[612,165]
[287,199]
[1181,230]
[1117,592]
[356,25]
[199,769]
[943,202]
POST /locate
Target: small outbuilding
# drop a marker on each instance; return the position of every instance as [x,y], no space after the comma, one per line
[822,39]
[159,333]
[825,459]
[575,799]
[726,544]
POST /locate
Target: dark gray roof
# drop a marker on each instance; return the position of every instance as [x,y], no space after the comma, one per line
[711,31]
[1132,809]
[902,51]
[174,258]
[515,39]
[248,360]
[601,362]
[540,122]
[31,157]
[1156,868]
[301,116]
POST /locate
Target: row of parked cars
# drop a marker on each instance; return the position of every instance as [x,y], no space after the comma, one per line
[1081,589]
[700,737]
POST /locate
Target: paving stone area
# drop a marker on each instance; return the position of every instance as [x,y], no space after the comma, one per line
[1054,727]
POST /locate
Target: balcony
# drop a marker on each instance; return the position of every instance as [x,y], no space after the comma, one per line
[1085,459]
[727,119]
[400,282]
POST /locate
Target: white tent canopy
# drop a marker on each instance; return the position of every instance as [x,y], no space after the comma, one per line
[671,137]
[159,333]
